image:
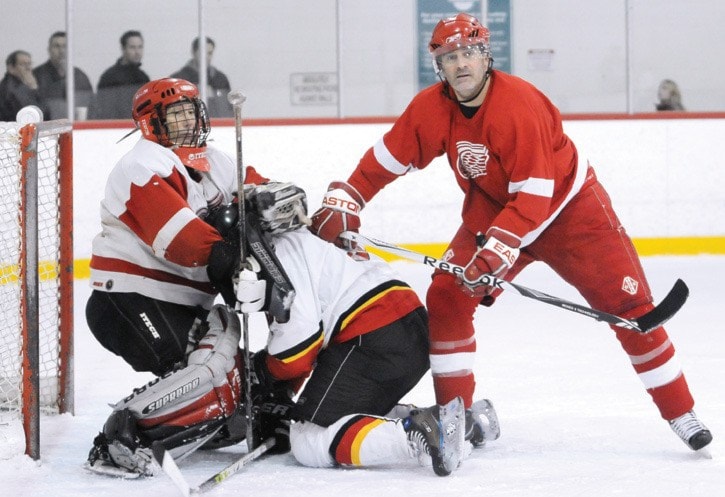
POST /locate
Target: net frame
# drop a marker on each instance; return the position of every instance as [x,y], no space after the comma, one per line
[44,162]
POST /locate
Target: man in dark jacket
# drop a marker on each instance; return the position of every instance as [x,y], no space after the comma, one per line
[217,82]
[119,82]
[19,87]
[51,78]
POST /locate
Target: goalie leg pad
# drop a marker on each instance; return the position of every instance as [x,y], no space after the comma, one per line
[193,401]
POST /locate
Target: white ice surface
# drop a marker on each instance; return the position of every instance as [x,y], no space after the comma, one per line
[575,419]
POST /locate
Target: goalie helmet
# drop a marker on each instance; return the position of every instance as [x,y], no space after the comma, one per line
[460,31]
[169,112]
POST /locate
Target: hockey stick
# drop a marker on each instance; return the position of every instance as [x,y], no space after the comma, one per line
[237,98]
[169,466]
[649,321]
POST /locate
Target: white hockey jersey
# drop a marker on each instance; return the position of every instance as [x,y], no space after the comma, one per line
[336,299]
[153,240]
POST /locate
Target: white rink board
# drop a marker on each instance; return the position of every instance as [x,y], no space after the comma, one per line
[666,177]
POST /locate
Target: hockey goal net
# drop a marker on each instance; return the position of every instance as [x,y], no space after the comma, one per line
[36,280]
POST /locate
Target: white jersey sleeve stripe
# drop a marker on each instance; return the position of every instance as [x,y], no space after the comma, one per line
[534,186]
[169,231]
[386,159]
[581,174]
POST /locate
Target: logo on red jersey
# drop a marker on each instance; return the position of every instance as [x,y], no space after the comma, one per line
[630,285]
[472,159]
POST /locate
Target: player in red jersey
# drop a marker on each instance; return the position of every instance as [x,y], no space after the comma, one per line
[534,197]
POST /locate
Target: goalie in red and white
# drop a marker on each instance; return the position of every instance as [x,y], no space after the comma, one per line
[151,294]
[170,244]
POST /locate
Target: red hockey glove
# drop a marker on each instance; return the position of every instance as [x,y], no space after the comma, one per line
[340,212]
[495,257]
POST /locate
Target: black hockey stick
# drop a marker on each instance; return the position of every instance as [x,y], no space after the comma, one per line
[237,98]
[649,321]
[169,466]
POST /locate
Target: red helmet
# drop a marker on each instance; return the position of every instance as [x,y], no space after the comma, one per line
[150,104]
[453,33]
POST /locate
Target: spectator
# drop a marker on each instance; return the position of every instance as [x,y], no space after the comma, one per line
[119,82]
[127,69]
[217,82]
[51,79]
[669,95]
[19,87]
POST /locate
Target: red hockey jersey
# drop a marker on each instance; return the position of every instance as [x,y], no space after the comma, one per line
[512,159]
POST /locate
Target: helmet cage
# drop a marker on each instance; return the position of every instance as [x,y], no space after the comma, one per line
[150,109]
[155,125]
[281,207]
[196,133]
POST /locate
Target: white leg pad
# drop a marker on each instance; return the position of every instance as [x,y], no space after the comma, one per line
[208,387]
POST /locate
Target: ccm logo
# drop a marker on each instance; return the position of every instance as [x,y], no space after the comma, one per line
[340,203]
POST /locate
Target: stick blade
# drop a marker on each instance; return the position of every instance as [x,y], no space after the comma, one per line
[168,465]
[669,306]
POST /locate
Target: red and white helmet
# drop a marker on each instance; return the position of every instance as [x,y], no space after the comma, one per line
[460,31]
[149,111]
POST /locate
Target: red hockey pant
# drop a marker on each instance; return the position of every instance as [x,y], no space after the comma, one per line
[587,246]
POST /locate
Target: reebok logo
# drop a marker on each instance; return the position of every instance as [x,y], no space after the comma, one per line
[150,326]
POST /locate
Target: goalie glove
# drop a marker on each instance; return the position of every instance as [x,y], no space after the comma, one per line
[280,207]
[495,257]
[340,212]
[250,290]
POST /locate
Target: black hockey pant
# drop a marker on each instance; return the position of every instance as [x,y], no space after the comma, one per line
[368,374]
[149,334]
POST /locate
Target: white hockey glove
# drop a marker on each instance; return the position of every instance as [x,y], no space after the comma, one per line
[250,289]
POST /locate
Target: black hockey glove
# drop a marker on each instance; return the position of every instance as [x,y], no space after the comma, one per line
[224,258]
[223,266]
[271,419]
[272,402]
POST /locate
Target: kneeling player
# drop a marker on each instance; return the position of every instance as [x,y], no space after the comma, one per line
[360,335]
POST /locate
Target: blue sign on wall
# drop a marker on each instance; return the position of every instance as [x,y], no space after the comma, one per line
[431,11]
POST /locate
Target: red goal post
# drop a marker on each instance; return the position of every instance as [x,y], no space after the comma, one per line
[36,275]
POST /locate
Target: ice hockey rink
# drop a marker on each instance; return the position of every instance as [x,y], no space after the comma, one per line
[575,419]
